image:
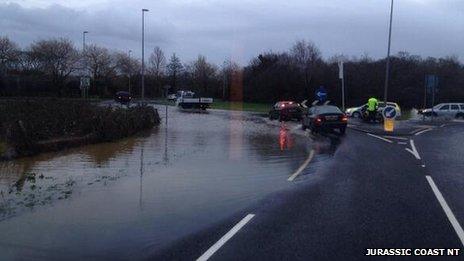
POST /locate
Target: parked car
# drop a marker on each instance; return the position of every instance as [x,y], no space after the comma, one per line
[286,111]
[455,110]
[172,97]
[324,118]
[123,97]
[357,112]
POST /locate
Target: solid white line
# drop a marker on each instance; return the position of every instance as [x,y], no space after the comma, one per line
[452,219]
[225,238]
[413,150]
[302,167]
[422,131]
[397,138]
[379,137]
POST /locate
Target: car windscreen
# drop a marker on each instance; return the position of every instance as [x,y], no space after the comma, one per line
[328,109]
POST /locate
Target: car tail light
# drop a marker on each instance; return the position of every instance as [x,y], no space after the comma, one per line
[282,105]
[344,118]
[318,120]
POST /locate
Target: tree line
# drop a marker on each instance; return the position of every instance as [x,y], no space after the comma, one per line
[53,67]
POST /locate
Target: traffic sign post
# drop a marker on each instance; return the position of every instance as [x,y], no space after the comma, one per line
[84,85]
[389,115]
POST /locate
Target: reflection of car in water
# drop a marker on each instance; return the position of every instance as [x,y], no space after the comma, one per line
[188,100]
[286,111]
[358,112]
[123,97]
[324,118]
[285,140]
[455,110]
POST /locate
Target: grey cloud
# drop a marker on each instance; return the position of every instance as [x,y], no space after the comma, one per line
[242,29]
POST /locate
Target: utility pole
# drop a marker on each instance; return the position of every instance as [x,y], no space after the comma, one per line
[143,54]
[130,70]
[387,72]
[85,88]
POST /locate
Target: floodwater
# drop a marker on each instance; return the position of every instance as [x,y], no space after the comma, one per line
[122,199]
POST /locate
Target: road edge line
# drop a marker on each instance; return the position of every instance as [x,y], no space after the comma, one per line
[302,167]
[379,137]
[422,131]
[449,213]
[225,238]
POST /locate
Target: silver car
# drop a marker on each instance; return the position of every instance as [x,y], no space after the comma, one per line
[449,110]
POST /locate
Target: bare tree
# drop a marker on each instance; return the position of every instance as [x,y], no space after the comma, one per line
[306,55]
[102,66]
[202,73]
[174,69]
[9,54]
[57,58]
[157,66]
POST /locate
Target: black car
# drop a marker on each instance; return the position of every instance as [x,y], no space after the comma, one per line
[285,111]
[324,118]
[123,97]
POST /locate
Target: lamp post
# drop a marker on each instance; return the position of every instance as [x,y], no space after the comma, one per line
[85,61]
[143,53]
[130,70]
[387,71]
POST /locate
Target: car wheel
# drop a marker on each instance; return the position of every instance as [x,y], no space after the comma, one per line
[303,127]
[356,115]
[459,115]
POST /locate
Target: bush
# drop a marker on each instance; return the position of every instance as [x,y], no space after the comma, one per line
[25,122]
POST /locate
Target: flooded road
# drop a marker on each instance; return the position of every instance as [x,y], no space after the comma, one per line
[119,200]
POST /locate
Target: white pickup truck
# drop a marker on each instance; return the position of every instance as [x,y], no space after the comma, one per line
[187,100]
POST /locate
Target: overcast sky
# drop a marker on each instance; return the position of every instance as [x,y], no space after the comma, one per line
[241,29]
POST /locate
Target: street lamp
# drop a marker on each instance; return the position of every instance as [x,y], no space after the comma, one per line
[143,53]
[387,71]
[130,70]
[85,61]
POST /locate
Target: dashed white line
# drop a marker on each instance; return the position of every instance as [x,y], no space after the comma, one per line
[225,238]
[302,167]
[449,213]
[413,150]
[422,131]
[379,137]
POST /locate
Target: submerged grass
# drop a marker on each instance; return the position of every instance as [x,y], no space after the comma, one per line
[27,123]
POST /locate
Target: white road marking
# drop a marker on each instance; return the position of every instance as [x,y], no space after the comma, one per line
[225,238]
[423,165]
[379,137]
[422,131]
[302,167]
[443,125]
[449,213]
[402,143]
[295,128]
[395,137]
[413,150]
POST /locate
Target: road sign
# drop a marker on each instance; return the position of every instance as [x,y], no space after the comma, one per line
[85,82]
[431,83]
[389,112]
[321,94]
[340,70]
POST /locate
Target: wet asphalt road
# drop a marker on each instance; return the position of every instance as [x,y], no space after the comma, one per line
[373,194]
[172,194]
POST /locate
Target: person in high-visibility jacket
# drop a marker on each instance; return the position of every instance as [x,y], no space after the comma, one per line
[372,105]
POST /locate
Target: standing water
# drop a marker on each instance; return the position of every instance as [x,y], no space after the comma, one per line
[124,198]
